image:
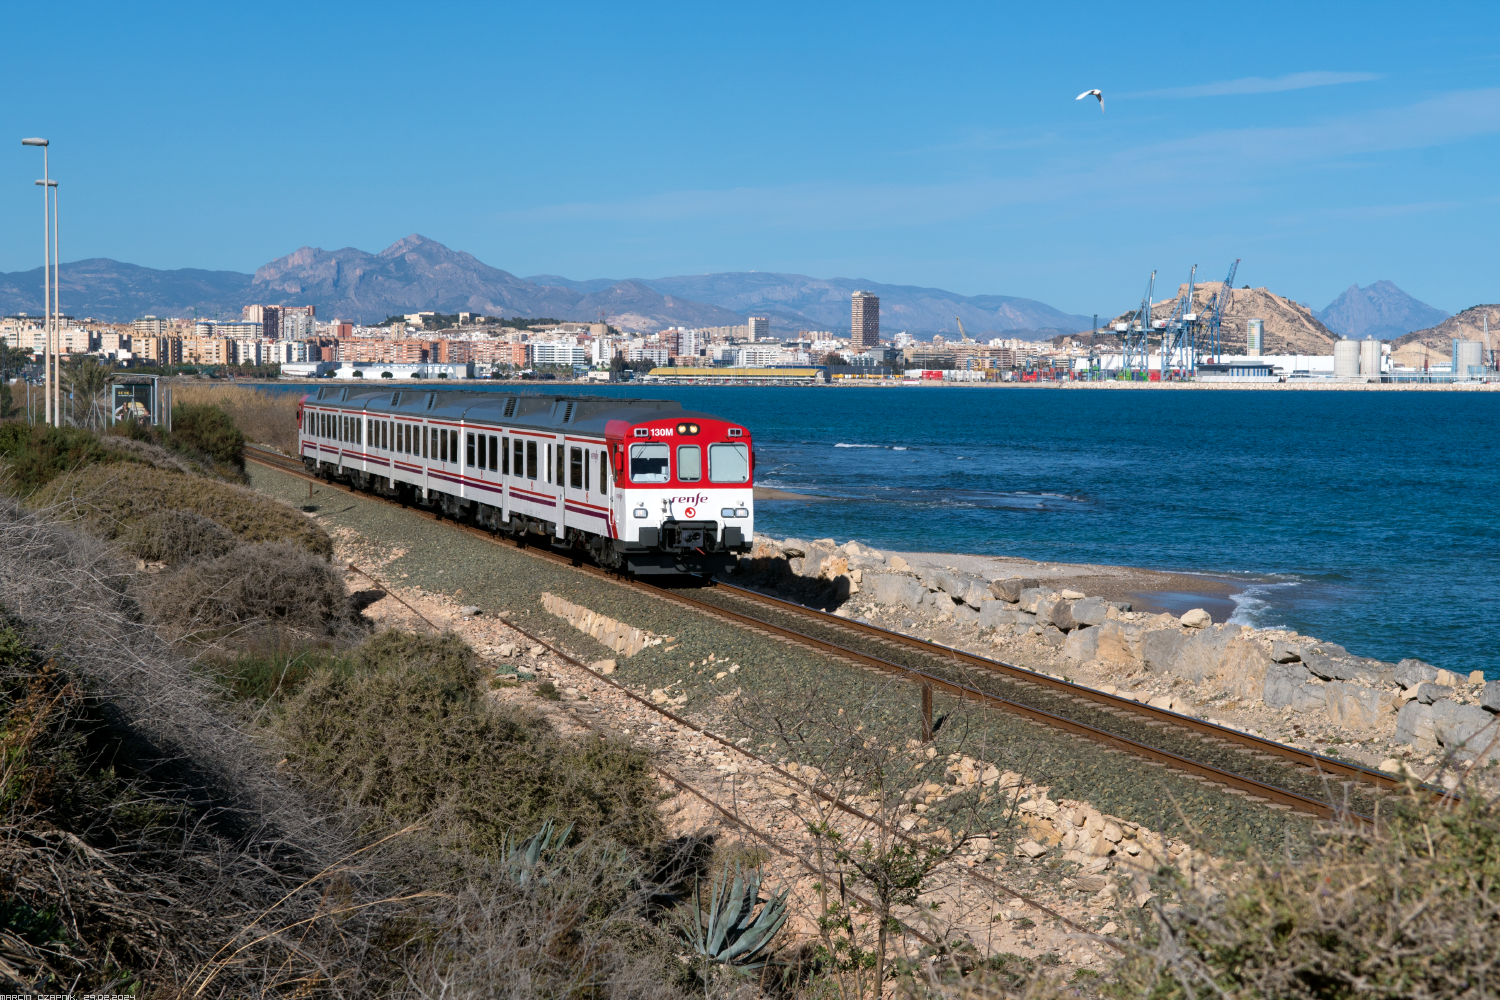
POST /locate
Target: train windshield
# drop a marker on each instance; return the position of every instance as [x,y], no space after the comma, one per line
[648,463]
[728,463]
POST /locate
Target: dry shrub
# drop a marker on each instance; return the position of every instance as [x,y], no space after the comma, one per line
[175,536]
[409,734]
[270,582]
[154,455]
[140,829]
[109,499]
[1404,907]
[265,416]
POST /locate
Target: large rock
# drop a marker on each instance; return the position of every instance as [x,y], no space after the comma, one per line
[1082,645]
[1032,596]
[1285,652]
[1410,672]
[993,614]
[960,586]
[1119,645]
[965,615]
[938,602]
[1202,653]
[895,589]
[1291,685]
[1056,611]
[1160,649]
[1242,669]
[1196,618]
[1090,611]
[1490,697]
[1428,692]
[1333,662]
[1414,726]
[1010,589]
[1355,706]
[1466,731]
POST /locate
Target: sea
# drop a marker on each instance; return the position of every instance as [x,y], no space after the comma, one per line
[1368,519]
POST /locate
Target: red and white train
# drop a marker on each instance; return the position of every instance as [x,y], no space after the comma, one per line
[640,484]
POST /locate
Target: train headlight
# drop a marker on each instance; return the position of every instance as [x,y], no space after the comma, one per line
[640,512]
[742,512]
[727,512]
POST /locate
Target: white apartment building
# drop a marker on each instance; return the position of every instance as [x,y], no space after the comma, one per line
[759,327]
[763,356]
[655,355]
[287,352]
[566,351]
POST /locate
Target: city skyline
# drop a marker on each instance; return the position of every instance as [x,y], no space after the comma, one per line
[1351,150]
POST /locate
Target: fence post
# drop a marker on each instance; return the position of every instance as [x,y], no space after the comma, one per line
[926,713]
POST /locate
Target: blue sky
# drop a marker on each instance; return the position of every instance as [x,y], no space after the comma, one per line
[931,144]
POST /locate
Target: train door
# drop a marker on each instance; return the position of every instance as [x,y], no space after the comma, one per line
[577,479]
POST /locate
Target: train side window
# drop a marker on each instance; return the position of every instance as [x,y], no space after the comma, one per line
[516,449]
[689,463]
[604,471]
[505,456]
[729,463]
[575,468]
[453,447]
[588,460]
[560,456]
[469,451]
[530,459]
[549,463]
[649,463]
[494,460]
[425,440]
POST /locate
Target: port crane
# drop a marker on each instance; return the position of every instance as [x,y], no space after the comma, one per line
[1216,310]
[1179,335]
[963,338]
[1135,335]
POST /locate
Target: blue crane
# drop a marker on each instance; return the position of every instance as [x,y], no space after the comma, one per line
[1178,335]
[1217,308]
[1135,334]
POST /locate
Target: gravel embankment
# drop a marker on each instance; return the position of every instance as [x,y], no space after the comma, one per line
[416,551]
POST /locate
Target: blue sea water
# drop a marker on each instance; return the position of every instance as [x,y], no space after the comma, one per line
[1364,518]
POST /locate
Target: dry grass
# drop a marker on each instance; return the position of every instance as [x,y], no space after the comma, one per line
[175,536]
[270,583]
[264,417]
[108,500]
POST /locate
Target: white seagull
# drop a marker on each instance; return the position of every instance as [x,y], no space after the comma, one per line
[1097,94]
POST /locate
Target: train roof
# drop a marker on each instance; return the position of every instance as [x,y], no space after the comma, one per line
[584,414]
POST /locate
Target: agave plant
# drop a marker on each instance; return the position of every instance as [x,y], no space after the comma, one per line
[731,933]
[523,857]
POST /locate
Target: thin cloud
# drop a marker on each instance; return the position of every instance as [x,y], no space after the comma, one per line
[1261,85]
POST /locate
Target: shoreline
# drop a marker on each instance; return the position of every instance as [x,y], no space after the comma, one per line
[1298,386]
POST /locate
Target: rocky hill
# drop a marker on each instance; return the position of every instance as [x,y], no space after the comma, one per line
[1436,342]
[1381,310]
[109,290]
[1290,326]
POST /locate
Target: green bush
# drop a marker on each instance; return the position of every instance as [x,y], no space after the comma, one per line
[409,733]
[210,431]
[35,454]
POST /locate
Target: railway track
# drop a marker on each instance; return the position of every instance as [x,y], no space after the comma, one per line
[1239,763]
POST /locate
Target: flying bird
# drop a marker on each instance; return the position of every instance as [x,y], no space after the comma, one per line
[1096,94]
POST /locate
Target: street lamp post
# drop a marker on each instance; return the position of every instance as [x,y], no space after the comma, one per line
[46,184]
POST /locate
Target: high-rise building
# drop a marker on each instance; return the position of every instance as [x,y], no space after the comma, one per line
[151,326]
[864,322]
[760,328]
[269,318]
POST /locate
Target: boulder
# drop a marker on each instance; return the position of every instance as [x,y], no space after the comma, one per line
[1490,697]
[1033,596]
[1010,589]
[996,613]
[1291,685]
[1053,636]
[1073,595]
[1333,662]
[1197,618]
[1466,731]
[1428,692]
[793,548]
[1082,645]
[1120,645]
[1410,672]
[1414,726]
[895,589]
[1090,611]
[965,615]
[1160,649]
[1202,652]
[1285,652]
[897,564]
[1449,679]
[1355,706]
[1056,611]
[1242,669]
[938,602]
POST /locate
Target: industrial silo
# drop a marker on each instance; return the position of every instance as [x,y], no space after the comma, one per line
[1346,359]
[1255,338]
[1468,357]
[1369,358]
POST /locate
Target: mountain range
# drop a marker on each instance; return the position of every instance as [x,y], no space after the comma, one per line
[1381,310]
[416,273]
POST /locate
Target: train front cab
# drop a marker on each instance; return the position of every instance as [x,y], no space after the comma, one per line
[683,498]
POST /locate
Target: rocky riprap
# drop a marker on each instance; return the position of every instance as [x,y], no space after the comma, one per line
[1432,710]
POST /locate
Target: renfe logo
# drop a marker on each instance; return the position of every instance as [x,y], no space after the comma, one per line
[700,498]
